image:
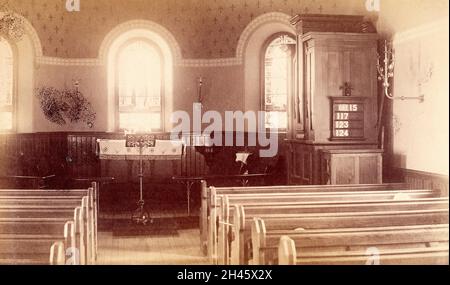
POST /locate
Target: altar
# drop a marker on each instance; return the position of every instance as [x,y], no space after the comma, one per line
[159,150]
[116,150]
[139,148]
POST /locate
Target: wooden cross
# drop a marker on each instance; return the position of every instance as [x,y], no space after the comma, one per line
[347,87]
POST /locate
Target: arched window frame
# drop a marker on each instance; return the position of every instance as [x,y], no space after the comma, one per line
[116,81]
[13,107]
[291,78]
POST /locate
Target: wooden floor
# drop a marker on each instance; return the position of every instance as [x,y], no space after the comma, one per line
[181,248]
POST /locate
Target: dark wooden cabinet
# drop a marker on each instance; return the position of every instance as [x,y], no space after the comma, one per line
[337,92]
[352,166]
[339,65]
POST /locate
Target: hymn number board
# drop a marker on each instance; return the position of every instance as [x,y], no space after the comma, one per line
[347,118]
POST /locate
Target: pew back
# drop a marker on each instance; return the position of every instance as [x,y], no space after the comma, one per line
[405,245]
[47,221]
[208,198]
[265,243]
[240,234]
[220,210]
[224,219]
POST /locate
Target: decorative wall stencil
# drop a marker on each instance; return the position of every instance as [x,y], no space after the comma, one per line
[203,28]
[68,104]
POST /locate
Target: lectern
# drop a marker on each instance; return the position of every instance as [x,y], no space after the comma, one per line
[140,215]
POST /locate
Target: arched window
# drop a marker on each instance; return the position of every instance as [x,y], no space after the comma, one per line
[140,87]
[278,80]
[6,87]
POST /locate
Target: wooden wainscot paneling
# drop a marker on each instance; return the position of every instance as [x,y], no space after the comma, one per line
[31,155]
[424,180]
[82,155]
[75,155]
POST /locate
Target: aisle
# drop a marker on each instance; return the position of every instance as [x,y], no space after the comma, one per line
[179,248]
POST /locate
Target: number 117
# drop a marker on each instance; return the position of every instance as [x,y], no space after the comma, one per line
[341,116]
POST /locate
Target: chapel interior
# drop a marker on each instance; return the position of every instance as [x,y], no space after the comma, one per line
[174,132]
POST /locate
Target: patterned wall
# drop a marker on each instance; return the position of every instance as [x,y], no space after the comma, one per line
[203,28]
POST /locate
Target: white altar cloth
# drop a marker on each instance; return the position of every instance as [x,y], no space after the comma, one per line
[163,150]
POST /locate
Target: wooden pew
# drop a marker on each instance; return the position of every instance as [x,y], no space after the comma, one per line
[30,193]
[42,202]
[220,215]
[34,226]
[33,248]
[265,244]
[224,202]
[208,197]
[27,241]
[36,214]
[12,195]
[33,182]
[38,238]
[26,249]
[94,201]
[219,212]
[418,252]
[240,233]
[19,197]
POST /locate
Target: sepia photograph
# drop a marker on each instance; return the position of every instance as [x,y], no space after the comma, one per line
[224,132]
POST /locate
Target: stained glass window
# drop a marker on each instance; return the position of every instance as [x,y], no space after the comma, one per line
[278,81]
[140,75]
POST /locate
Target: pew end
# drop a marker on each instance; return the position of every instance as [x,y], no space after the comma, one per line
[57,254]
[236,251]
[287,253]
[258,232]
[204,218]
